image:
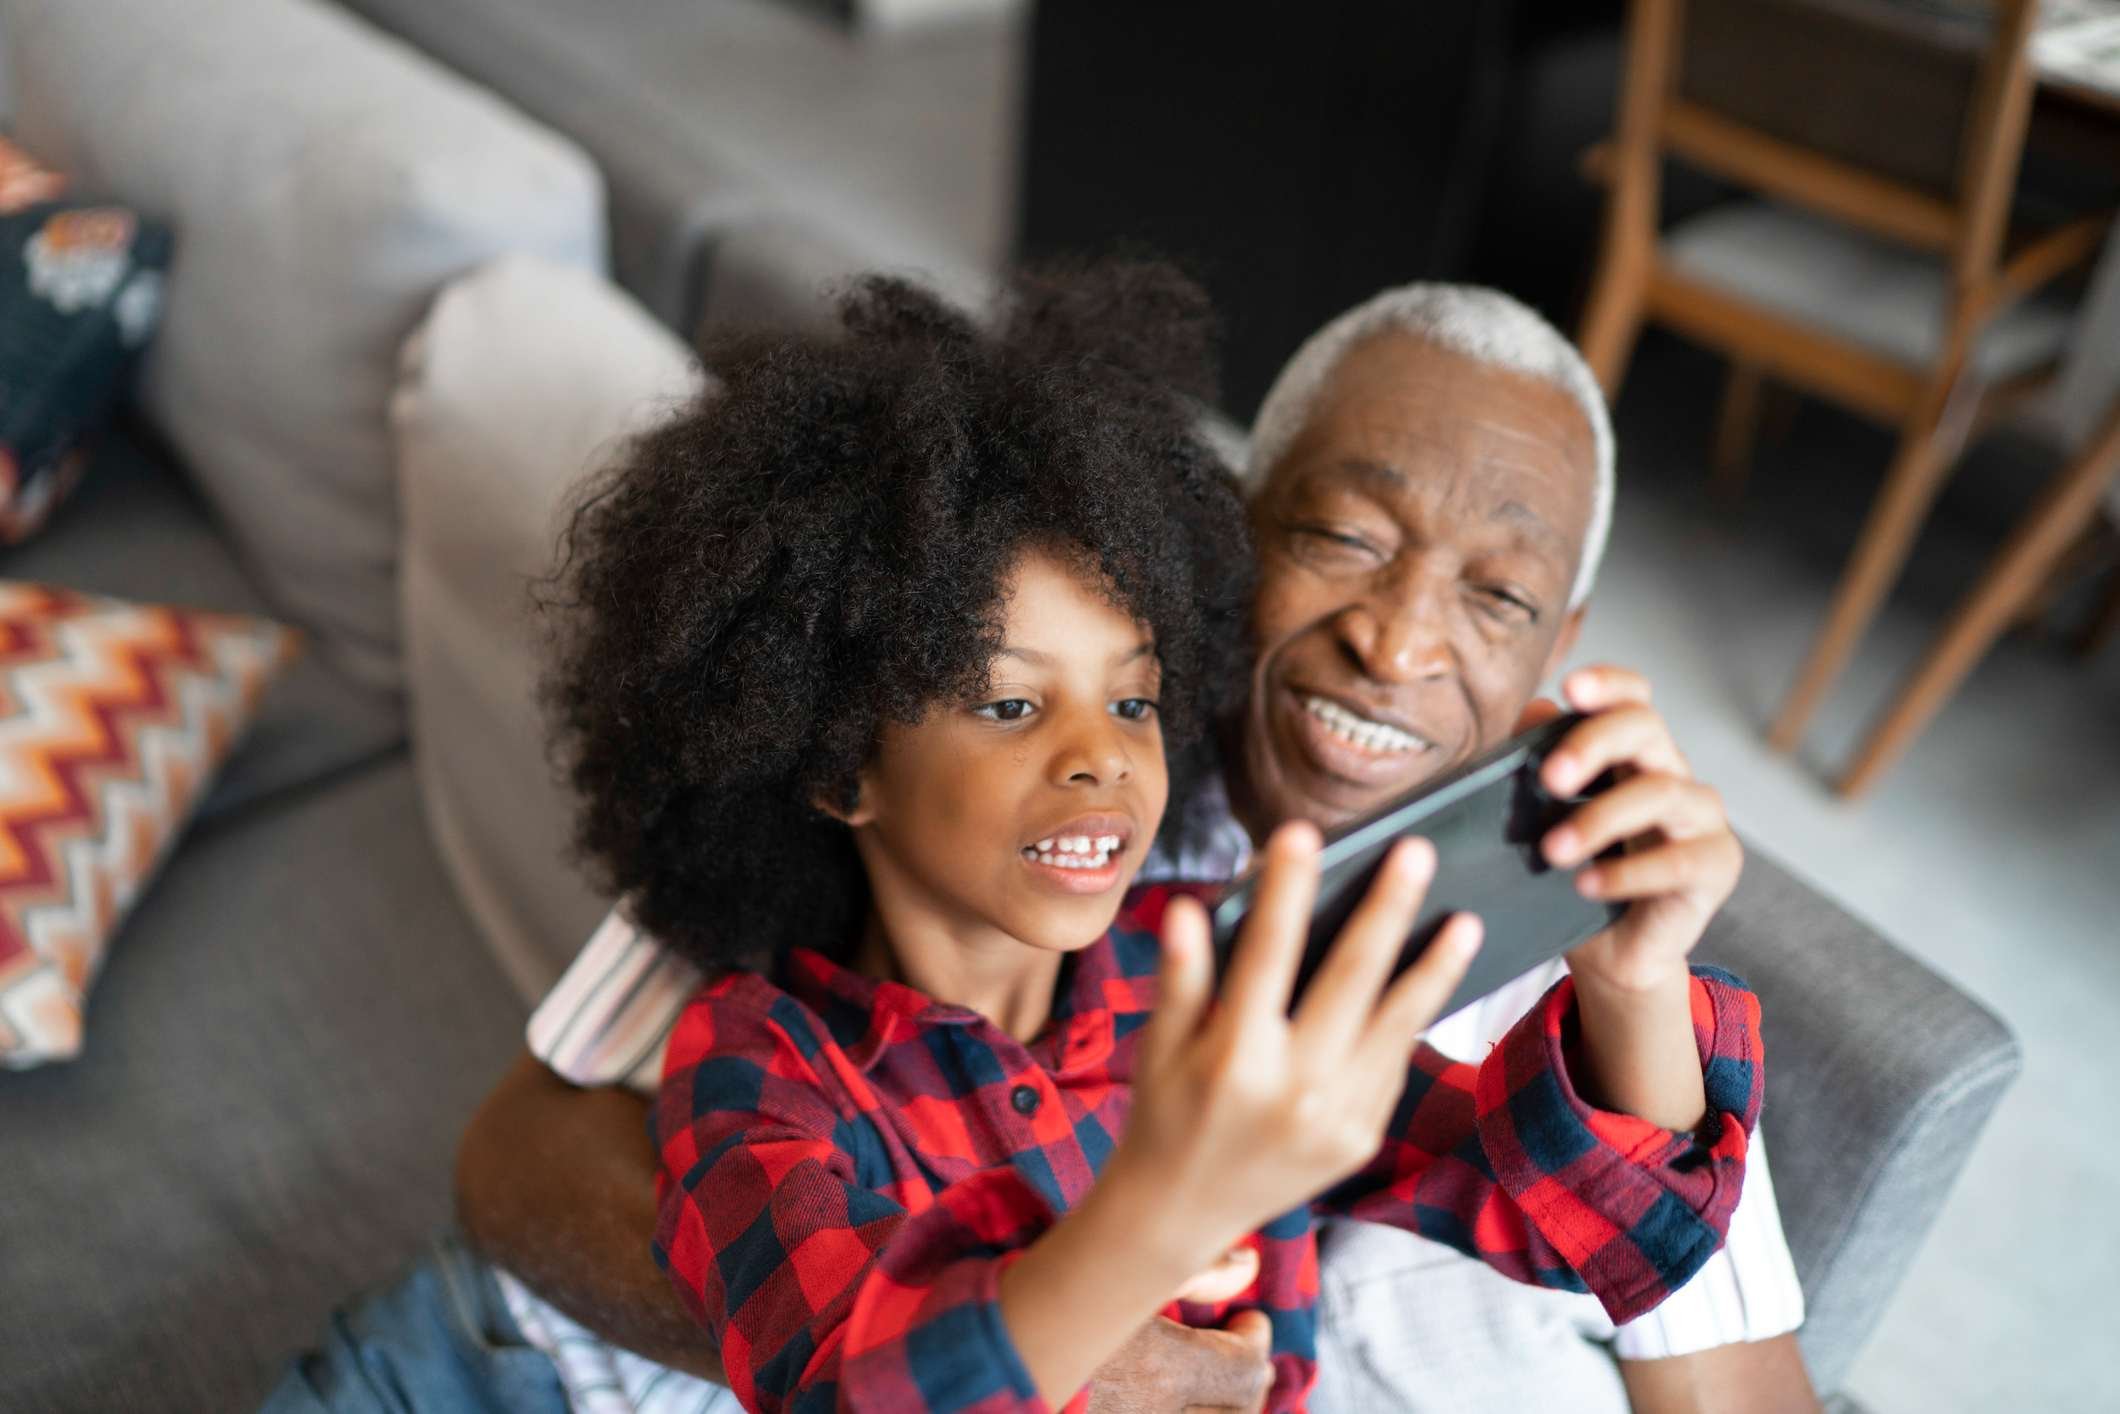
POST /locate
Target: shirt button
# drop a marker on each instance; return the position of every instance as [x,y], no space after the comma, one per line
[1025,1099]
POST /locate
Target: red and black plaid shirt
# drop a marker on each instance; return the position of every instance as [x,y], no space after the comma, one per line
[847,1165]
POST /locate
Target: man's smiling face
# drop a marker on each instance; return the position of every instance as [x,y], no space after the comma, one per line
[1417,545]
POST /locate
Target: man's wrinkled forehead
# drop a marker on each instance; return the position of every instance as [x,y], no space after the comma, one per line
[1398,413]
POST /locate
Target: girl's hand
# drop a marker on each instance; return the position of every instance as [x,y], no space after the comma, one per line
[1242,1112]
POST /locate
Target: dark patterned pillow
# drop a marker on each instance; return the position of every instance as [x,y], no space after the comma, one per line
[80,293]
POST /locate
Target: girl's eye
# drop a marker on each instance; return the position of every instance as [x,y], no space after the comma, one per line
[1134,709]
[1008,709]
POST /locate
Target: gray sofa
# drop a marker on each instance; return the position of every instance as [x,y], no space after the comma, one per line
[292,1027]
[752,148]
[300,1013]
[303,1009]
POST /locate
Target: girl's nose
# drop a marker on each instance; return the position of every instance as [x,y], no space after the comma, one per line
[1095,754]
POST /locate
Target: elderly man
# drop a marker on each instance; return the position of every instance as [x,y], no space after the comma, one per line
[1432,482]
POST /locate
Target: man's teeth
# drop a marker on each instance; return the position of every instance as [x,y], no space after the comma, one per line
[1359,731]
[1074,851]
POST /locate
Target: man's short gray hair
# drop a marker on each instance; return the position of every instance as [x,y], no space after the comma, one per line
[1485,326]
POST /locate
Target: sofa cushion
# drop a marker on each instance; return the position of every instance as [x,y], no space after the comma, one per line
[523,379]
[136,529]
[323,182]
[114,718]
[293,1030]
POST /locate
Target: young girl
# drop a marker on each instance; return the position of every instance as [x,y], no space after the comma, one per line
[876,659]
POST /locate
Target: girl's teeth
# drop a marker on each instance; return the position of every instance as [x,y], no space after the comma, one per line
[1074,851]
[1070,860]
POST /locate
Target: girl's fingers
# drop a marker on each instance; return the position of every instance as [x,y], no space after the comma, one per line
[1709,865]
[1415,1001]
[1184,980]
[1631,736]
[1343,992]
[1270,949]
[1679,807]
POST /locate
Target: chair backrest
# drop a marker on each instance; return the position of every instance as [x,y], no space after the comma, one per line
[1871,112]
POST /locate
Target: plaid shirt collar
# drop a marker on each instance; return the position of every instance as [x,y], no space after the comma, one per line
[868,1016]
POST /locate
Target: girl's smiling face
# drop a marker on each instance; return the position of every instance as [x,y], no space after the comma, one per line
[1022,816]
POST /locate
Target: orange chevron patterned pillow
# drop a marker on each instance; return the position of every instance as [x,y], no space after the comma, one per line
[113,719]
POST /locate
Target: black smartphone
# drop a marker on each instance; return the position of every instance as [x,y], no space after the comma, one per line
[1486,820]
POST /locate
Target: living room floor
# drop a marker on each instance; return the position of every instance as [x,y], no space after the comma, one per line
[1992,850]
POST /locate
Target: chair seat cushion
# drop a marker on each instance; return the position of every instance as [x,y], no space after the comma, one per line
[1871,292]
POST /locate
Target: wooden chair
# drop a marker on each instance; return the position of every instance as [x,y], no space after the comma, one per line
[2068,504]
[1878,270]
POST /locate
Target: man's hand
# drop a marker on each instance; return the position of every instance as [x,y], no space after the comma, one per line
[1172,1369]
[1681,859]
[1678,864]
[558,1185]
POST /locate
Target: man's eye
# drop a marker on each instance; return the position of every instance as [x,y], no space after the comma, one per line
[1330,544]
[1512,607]
[1008,709]
[1336,537]
[1134,709]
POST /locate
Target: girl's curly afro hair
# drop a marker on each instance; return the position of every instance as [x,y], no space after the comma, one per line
[818,546]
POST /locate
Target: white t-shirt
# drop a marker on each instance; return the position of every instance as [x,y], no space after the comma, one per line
[1404,1322]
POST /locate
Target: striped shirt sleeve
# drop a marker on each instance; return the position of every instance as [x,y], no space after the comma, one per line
[607,1021]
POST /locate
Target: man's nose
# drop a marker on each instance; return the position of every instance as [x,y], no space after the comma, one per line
[1093,751]
[1396,634]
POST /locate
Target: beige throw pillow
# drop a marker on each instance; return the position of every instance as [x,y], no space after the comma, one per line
[524,378]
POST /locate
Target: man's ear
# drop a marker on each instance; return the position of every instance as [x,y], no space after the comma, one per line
[854,815]
[1564,643]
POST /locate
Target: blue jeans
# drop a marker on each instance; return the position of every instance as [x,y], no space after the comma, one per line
[439,1339]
